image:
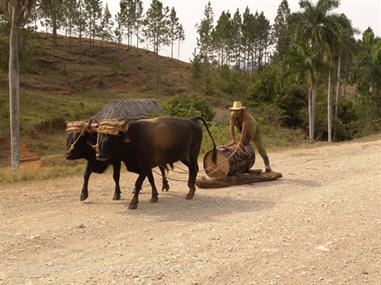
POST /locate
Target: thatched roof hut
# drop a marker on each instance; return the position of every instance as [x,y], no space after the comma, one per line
[131,109]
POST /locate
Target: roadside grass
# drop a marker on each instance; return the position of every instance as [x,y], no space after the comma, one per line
[7,176]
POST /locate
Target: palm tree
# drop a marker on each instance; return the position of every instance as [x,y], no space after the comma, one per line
[316,27]
[345,51]
[305,62]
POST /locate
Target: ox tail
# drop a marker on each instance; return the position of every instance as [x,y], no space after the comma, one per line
[214,153]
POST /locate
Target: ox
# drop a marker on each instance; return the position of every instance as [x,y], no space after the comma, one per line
[145,144]
[81,137]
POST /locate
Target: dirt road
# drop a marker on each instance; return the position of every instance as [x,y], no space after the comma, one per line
[320,224]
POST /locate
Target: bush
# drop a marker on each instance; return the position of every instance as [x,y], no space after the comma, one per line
[189,106]
[265,86]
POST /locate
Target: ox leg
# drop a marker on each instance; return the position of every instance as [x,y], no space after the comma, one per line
[116,176]
[154,197]
[165,186]
[138,185]
[193,170]
[86,177]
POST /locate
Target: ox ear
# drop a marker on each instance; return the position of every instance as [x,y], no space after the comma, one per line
[125,127]
[126,139]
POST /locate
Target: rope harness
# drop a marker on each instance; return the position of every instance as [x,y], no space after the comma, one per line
[110,127]
[79,127]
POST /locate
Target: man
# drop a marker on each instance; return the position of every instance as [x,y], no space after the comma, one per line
[249,129]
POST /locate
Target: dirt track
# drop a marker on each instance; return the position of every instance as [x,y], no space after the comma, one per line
[320,224]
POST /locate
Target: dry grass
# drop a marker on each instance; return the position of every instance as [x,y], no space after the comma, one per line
[25,174]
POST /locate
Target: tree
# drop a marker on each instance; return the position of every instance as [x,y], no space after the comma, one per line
[222,38]
[70,14]
[106,25]
[130,19]
[138,21]
[18,11]
[156,28]
[281,30]
[120,19]
[236,38]
[173,28]
[205,30]
[305,63]
[93,10]
[247,22]
[53,10]
[316,27]
[80,24]
[180,36]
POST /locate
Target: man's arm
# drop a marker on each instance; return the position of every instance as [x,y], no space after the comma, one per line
[232,134]
[245,127]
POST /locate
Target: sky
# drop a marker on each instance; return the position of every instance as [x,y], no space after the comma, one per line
[363,13]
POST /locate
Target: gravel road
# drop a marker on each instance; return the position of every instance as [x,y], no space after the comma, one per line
[320,224]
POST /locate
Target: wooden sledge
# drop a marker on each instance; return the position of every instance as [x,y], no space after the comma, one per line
[252,176]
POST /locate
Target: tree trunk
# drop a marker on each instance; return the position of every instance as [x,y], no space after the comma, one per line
[310,113]
[313,111]
[338,86]
[178,51]
[137,40]
[14,85]
[172,48]
[80,45]
[55,31]
[329,107]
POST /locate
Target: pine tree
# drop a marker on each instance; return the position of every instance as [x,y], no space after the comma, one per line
[247,22]
[173,27]
[53,12]
[156,31]
[222,38]
[80,24]
[156,27]
[106,25]
[205,30]
[93,12]
[138,21]
[281,30]
[70,15]
[237,38]
[180,36]
[120,19]
[263,39]
[130,19]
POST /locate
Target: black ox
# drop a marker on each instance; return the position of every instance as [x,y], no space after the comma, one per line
[80,145]
[155,142]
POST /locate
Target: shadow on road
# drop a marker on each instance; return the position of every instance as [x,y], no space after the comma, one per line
[173,206]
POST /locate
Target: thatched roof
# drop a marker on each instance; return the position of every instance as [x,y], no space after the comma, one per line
[130,109]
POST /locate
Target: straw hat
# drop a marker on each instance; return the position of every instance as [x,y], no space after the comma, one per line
[237,105]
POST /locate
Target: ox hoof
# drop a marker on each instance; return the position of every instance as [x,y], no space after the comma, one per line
[189,196]
[154,199]
[84,196]
[165,188]
[132,206]
[116,197]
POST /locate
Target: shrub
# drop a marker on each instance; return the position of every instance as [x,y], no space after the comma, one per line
[188,106]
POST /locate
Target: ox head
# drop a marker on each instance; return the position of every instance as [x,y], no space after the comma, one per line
[110,134]
[80,139]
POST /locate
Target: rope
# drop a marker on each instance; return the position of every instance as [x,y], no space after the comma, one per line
[202,171]
[77,139]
